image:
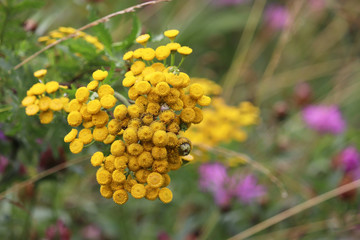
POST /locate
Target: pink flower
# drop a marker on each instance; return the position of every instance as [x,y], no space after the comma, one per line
[247,189]
[4,162]
[277,17]
[324,119]
[350,159]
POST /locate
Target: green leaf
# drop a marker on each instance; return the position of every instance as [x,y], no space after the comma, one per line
[25,5]
[100,30]
[136,30]
[82,47]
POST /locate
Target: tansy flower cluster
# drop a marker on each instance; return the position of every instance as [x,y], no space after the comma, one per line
[210,87]
[65,31]
[40,98]
[223,123]
[144,136]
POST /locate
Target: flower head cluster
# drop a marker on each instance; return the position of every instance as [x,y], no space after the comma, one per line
[143,137]
[40,98]
[223,123]
[324,119]
[65,31]
[215,179]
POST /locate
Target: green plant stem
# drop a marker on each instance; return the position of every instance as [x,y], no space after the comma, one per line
[181,62]
[122,99]
[172,59]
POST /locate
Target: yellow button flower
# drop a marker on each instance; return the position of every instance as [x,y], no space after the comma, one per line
[82,94]
[138,191]
[109,139]
[145,159]
[46,117]
[184,50]
[120,112]
[128,55]
[121,162]
[171,34]
[56,104]
[143,39]
[120,196]
[173,46]
[92,85]
[160,138]
[106,191]
[138,53]
[93,107]
[137,67]
[204,101]
[148,54]
[165,195]
[142,87]
[40,73]
[151,193]
[74,105]
[145,133]
[52,86]
[155,180]
[76,146]
[100,133]
[162,52]
[108,101]
[71,135]
[118,176]
[103,176]
[159,152]
[38,88]
[196,91]
[85,136]
[100,119]
[105,89]
[97,159]
[135,149]
[99,75]
[74,119]
[28,100]
[44,103]
[129,81]
[32,109]
[162,88]
[117,148]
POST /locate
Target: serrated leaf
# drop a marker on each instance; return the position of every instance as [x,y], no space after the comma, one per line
[101,32]
[135,31]
[82,47]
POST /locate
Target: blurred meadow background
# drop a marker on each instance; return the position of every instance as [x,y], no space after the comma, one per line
[282,128]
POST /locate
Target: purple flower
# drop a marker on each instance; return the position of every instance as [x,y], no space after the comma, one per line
[324,119]
[350,159]
[91,231]
[248,190]
[277,17]
[58,231]
[215,179]
[2,136]
[4,162]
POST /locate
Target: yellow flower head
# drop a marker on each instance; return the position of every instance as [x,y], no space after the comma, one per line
[40,73]
[143,39]
[52,87]
[171,34]
[46,117]
[128,55]
[165,195]
[99,75]
[184,50]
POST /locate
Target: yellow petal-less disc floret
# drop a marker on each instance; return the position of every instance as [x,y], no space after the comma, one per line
[103,176]
[76,146]
[148,54]
[100,133]
[162,88]
[46,117]
[137,67]
[173,46]
[38,88]
[74,105]
[93,106]
[71,135]
[56,104]
[105,89]
[86,136]
[151,193]
[97,159]
[155,180]
[28,100]
[92,85]
[99,75]
[160,138]
[100,119]
[165,195]
[204,101]
[128,55]
[142,87]
[82,94]
[52,86]
[196,91]
[108,101]
[106,191]
[184,50]
[171,34]
[162,52]
[118,176]
[120,112]
[143,39]
[138,191]
[129,81]
[120,196]
[40,73]
[74,118]
[32,109]
[117,148]
[187,115]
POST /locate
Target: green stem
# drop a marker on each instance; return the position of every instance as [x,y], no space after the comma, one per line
[4,25]
[182,60]
[5,109]
[122,99]
[172,59]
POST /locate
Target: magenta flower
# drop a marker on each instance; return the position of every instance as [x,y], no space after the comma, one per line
[350,159]
[277,17]
[58,231]
[248,189]
[215,179]
[324,119]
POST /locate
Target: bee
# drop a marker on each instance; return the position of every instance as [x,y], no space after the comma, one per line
[185,146]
